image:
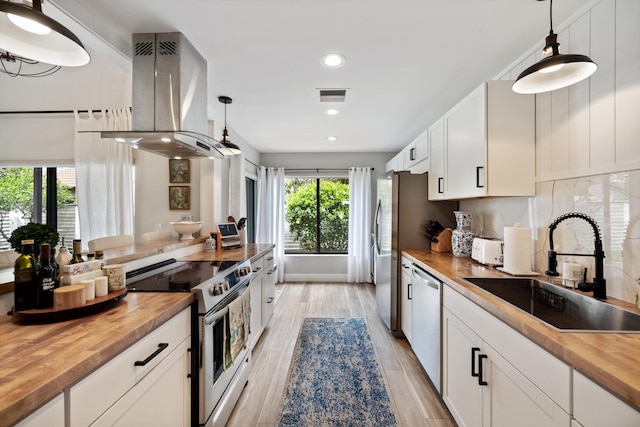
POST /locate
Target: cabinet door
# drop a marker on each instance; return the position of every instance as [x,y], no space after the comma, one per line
[460,389]
[416,155]
[268,288]
[436,161]
[255,288]
[590,401]
[51,414]
[162,398]
[510,399]
[405,298]
[465,127]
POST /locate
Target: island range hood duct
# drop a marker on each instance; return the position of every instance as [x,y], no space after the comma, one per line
[169,115]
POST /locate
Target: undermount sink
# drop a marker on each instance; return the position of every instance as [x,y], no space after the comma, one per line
[562,308]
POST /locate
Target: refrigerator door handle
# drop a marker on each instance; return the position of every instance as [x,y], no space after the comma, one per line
[377,225]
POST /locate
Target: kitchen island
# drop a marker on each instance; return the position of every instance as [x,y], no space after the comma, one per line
[41,361]
[609,359]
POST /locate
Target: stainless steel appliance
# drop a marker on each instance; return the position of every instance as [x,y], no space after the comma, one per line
[215,285]
[427,316]
[402,212]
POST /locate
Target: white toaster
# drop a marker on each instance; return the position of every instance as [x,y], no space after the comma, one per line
[487,250]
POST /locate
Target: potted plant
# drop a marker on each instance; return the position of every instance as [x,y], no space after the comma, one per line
[40,233]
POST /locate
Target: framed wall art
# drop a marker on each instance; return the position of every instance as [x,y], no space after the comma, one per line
[179,172]
[179,197]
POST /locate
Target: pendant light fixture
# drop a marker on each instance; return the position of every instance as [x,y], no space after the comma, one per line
[26,32]
[233,148]
[554,70]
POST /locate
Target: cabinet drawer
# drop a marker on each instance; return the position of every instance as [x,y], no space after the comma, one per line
[257,265]
[93,395]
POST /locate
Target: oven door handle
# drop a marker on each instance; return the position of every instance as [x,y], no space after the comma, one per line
[214,317]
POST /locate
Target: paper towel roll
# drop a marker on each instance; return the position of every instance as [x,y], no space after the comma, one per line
[517,250]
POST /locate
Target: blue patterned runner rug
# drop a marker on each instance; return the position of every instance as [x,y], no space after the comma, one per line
[334,378]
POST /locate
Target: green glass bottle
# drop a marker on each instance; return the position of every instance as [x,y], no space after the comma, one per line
[25,279]
[47,280]
[77,252]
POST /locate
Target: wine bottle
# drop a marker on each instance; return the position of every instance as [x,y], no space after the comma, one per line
[77,252]
[47,280]
[25,280]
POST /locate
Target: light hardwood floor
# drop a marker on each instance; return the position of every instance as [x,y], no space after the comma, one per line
[414,401]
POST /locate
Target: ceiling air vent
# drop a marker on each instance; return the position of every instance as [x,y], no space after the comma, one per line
[333,95]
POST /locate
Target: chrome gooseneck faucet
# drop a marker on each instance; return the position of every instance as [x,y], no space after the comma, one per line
[599,285]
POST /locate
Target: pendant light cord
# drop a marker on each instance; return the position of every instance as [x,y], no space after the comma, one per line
[551,16]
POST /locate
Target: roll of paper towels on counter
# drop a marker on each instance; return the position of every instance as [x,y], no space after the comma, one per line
[517,250]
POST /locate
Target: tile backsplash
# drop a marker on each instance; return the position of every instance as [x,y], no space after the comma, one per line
[612,200]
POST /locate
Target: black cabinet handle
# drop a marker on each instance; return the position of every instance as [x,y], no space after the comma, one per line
[474,350]
[409,290]
[440,181]
[480,380]
[478,176]
[161,348]
[412,154]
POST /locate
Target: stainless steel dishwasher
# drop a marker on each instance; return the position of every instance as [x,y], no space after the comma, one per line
[426,320]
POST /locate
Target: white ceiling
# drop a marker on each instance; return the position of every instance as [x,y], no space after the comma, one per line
[408,61]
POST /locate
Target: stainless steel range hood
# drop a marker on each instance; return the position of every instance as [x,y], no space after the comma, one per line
[169,115]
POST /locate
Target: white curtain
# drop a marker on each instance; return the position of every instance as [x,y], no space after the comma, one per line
[237,188]
[358,265]
[270,213]
[104,176]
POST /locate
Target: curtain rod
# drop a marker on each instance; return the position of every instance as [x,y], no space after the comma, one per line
[54,111]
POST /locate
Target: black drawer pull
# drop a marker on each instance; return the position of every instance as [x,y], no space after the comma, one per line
[480,380]
[440,190]
[160,349]
[474,350]
[409,291]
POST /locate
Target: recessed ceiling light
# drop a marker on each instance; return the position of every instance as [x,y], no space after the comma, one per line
[332,138]
[333,60]
[332,112]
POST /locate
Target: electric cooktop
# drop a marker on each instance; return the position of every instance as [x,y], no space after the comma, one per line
[175,276]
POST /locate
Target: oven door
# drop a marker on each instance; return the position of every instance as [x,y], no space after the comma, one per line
[219,388]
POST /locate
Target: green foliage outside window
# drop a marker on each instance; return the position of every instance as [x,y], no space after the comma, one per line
[302,214]
[16,193]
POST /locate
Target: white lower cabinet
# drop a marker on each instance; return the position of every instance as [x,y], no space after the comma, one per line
[493,376]
[51,414]
[594,406]
[147,384]
[262,288]
[269,287]
[405,299]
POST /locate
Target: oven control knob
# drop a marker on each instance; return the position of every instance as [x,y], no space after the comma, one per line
[243,271]
[212,290]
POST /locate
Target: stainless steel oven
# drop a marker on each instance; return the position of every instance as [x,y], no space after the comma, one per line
[219,382]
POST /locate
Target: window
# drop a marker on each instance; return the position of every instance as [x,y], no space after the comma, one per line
[24,198]
[316,215]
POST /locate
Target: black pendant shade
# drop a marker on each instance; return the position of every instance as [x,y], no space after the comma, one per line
[27,32]
[233,148]
[554,71]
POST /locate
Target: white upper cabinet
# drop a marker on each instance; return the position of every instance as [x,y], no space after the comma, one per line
[416,154]
[489,145]
[436,160]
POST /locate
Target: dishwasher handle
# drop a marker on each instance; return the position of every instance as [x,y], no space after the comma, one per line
[425,277]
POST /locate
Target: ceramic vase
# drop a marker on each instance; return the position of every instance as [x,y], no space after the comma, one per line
[462,237]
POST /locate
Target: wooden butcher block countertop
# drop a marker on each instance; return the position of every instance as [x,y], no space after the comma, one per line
[250,252]
[37,362]
[610,359]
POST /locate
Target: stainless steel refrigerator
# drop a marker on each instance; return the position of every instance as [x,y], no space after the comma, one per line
[403,210]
